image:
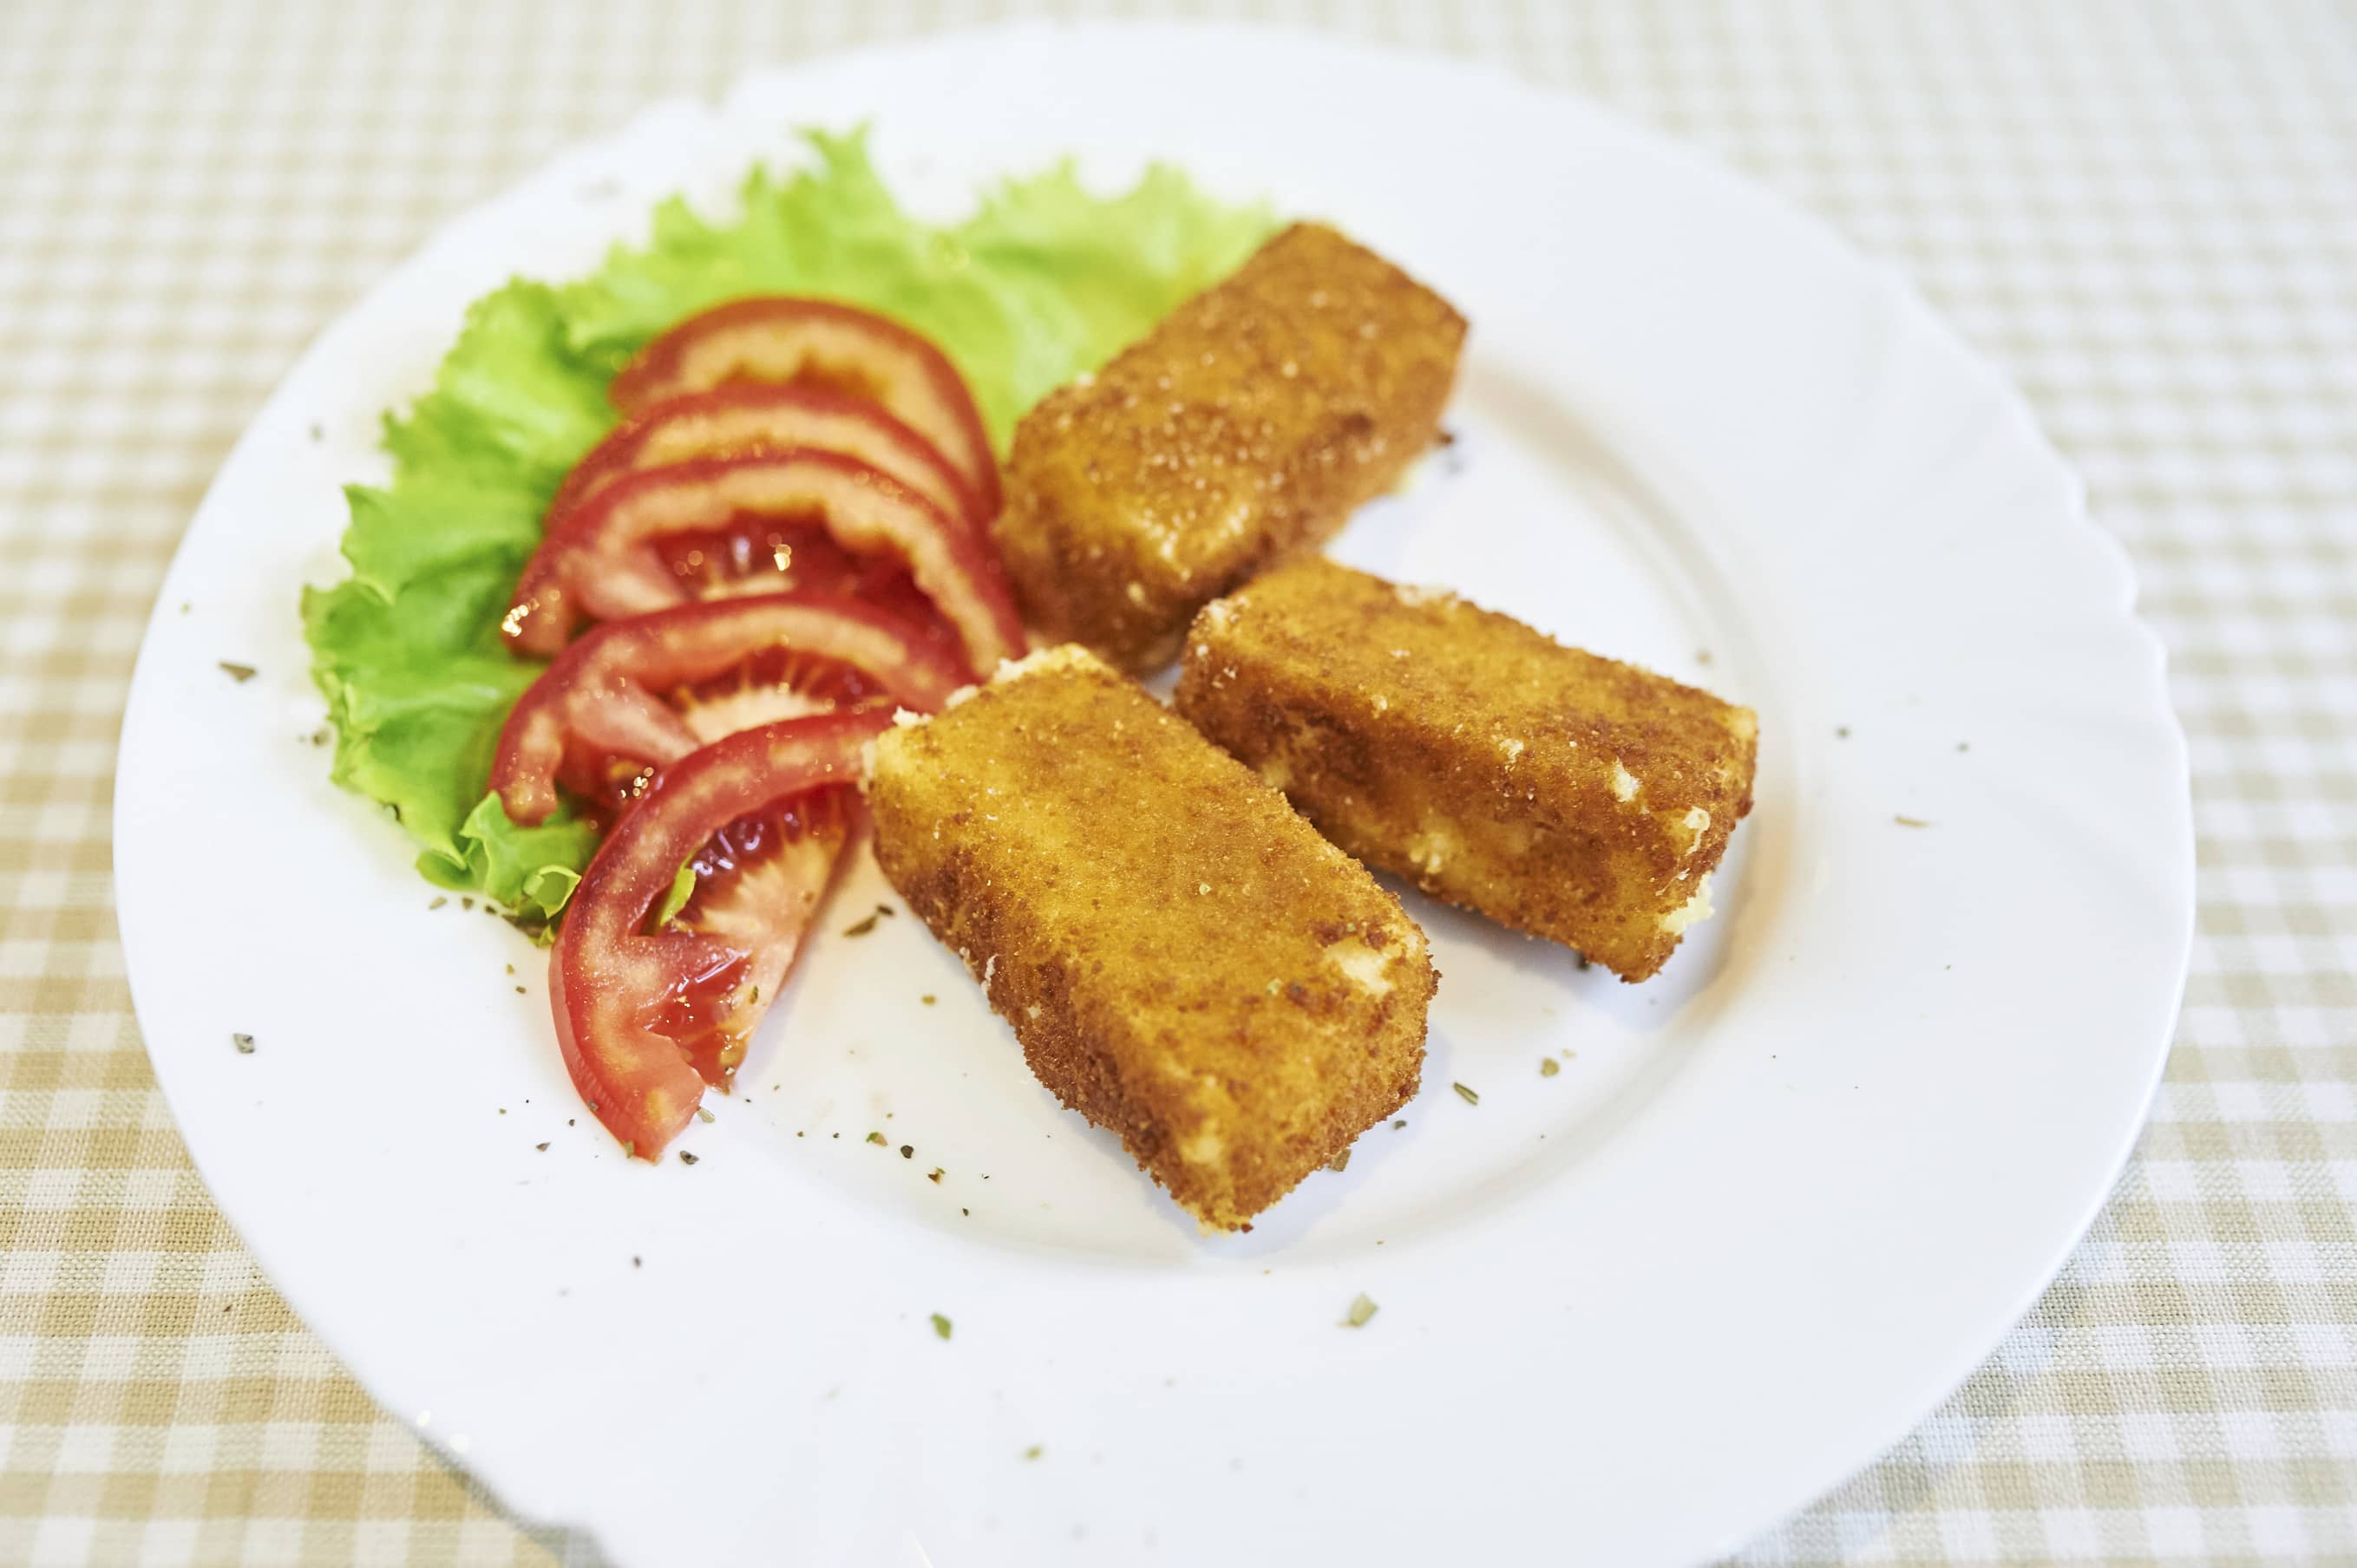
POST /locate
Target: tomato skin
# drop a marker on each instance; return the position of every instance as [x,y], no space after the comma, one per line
[743,419]
[602,690]
[601,561]
[610,979]
[781,339]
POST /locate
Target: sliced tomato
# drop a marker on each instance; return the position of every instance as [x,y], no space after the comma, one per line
[647,1017]
[814,342]
[738,420]
[635,695]
[733,525]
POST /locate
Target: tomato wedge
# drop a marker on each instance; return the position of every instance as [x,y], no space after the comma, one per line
[742,420]
[606,560]
[638,694]
[815,342]
[646,1018]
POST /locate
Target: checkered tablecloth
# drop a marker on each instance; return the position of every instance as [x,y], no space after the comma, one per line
[2147,212]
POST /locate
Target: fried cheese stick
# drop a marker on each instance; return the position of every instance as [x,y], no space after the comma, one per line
[1572,797]
[1249,424]
[1183,958]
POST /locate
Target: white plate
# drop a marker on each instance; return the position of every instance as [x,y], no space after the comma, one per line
[1777,1203]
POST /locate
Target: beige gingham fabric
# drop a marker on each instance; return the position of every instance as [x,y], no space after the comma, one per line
[2147,212]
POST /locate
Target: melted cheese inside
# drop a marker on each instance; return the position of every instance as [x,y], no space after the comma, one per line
[1363,965]
[1693,911]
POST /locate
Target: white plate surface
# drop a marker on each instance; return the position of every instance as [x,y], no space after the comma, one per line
[1776,1204]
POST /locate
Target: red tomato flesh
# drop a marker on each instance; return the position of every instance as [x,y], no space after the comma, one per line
[663,536]
[780,340]
[632,696]
[742,420]
[754,556]
[759,882]
[647,1018]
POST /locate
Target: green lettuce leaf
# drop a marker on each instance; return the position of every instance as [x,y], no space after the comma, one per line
[1043,282]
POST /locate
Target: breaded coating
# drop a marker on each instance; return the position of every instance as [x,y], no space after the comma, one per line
[1249,424]
[1576,798]
[1183,958]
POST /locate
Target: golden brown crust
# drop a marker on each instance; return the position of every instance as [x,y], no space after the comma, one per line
[1183,958]
[1576,798]
[1247,424]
